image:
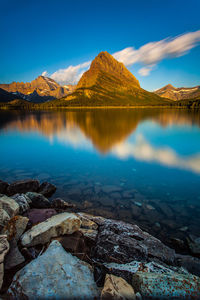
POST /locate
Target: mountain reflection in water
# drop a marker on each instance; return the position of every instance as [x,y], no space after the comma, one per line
[138,165]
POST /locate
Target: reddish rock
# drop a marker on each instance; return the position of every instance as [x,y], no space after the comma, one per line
[37,215]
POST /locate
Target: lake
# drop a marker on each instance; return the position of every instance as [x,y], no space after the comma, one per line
[138,165]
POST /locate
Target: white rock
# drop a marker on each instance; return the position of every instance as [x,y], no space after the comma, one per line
[64,223]
[4,217]
[55,274]
[4,248]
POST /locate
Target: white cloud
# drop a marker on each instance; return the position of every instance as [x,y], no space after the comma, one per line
[145,70]
[45,73]
[148,55]
[71,74]
[152,53]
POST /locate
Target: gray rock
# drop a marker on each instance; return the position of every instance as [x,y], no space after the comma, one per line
[121,242]
[55,274]
[4,218]
[47,189]
[14,229]
[38,200]
[166,286]
[23,186]
[23,201]
[64,223]
[91,234]
[126,271]
[116,288]
[192,264]
[9,205]
[3,187]
[194,245]
[4,248]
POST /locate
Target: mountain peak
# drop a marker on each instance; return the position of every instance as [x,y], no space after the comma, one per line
[105,64]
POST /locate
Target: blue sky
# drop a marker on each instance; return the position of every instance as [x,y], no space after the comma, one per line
[40,36]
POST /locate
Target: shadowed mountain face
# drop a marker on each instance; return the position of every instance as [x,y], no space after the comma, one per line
[39,90]
[104,128]
[108,82]
[6,96]
[173,93]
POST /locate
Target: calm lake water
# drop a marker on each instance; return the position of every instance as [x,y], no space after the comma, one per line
[141,166]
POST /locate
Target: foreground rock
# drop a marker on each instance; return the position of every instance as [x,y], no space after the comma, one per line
[54,275]
[38,200]
[4,218]
[23,201]
[14,229]
[23,186]
[9,205]
[47,189]
[121,242]
[117,288]
[64,223]
[166,286]
[4,248]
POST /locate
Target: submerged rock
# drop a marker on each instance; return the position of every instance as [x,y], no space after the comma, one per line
[59,203]
[4,248]
[194,245]
[166,286]
[3,187]
[38,200]
[47,189]
[121,242]
[64,223]
[9,205]
[55,274]
[14,229]
[117,288]
[23,186]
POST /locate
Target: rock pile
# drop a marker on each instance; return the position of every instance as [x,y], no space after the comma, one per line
[49,252]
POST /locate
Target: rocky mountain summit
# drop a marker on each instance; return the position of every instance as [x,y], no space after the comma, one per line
[50,251]
[109,82]
[39,90]
[182,93]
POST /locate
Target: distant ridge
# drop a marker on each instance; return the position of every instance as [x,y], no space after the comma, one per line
[182,93]
[39,90]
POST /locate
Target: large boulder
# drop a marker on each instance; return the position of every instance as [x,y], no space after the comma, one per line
[38,200]
[121,242]
[64,223]
[166,286]
[23,201]
[9,205]
[4,248]
[3,187]
[38,215]
[116,288]
[47,189]
[23,186]
[55,274]
[14,229]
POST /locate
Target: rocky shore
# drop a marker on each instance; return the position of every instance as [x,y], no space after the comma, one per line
[48,250]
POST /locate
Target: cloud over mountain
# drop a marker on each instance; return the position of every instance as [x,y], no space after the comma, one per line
[148,55]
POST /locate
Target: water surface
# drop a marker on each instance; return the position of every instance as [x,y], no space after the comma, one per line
[141,166]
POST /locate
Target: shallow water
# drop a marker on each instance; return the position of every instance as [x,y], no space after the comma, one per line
[141,166]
